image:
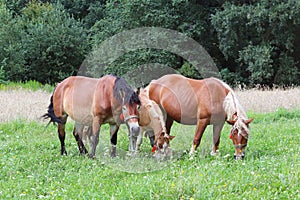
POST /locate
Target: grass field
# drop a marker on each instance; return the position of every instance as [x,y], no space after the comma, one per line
[31,167]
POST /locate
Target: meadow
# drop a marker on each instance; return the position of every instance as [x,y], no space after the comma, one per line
[32,168]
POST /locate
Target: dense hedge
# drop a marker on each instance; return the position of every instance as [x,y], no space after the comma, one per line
[252,42]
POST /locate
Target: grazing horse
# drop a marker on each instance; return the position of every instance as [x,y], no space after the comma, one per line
[201,103]
[93,102]
[152,120]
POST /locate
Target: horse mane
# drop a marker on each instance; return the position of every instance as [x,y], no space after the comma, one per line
[124,93]
[232,106]
[234,109]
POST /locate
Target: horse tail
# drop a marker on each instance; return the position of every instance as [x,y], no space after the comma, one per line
[50,114]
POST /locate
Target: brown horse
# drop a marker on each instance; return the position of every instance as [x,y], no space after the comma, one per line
[152,123]
[202,102]
[93,102]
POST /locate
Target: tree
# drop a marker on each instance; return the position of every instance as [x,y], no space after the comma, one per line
[188,17]
[12,56]
[260,37]
[55,44]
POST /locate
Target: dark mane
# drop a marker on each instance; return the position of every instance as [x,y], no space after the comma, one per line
[122,91]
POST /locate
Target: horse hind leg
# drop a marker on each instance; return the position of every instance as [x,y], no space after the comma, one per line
[62,135]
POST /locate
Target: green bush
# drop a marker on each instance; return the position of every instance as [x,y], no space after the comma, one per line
[259,38]
[56,43]
[12,54]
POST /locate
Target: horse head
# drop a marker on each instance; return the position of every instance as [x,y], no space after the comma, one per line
[161,148]
[239,134]
[130,114]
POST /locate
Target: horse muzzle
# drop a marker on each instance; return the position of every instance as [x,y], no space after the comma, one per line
[134,130]
[239,156]
[133,125]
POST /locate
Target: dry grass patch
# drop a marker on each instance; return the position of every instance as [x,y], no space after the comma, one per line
[260,101]
[26,104]
[31,105]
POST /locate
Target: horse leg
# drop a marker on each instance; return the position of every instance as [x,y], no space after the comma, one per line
[151,137]
[217,128]
[62,135]
[201,125]
[169,123]
[113,139]
[139,140]
[94,139]
[79,128]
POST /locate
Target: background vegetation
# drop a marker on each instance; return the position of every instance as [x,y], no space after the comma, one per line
[31,167]
[252,42]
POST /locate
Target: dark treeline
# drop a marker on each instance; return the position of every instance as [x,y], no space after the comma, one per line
[252,42]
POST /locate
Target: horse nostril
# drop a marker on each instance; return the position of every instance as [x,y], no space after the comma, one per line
[135,130]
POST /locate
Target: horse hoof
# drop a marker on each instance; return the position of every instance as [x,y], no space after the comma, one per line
[217,153]
[113,155]
[63,153]
[92,156]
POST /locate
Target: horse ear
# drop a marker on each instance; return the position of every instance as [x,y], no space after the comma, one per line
[231,122]
[248,121]
[171,137]
[137,91]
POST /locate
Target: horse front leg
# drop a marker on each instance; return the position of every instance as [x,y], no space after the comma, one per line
[139,140]
[217,128]
[151,136]
[94,139]
[201,126]
[113,139]
[169,123]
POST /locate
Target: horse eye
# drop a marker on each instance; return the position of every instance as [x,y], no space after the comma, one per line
[124,108]
[138,107]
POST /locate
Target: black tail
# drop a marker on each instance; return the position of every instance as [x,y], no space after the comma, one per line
[51,114]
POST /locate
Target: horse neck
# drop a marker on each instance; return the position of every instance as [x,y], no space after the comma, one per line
[157,121]
[233,108]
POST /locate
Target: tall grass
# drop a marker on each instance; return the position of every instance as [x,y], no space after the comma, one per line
[31,167]
[29,85]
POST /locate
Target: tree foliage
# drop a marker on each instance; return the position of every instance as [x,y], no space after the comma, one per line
[44,44]
[260,38]
[252,42]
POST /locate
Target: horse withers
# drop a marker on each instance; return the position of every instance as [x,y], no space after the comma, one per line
[94,102]
[201,103]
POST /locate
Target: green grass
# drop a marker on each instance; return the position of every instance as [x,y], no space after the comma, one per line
[31,166]
[29,85]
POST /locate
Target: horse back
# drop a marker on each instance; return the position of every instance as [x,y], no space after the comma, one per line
[186,100]
[82,98]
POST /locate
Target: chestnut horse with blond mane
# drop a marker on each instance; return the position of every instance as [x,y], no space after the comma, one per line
[201,103]
[93,102]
